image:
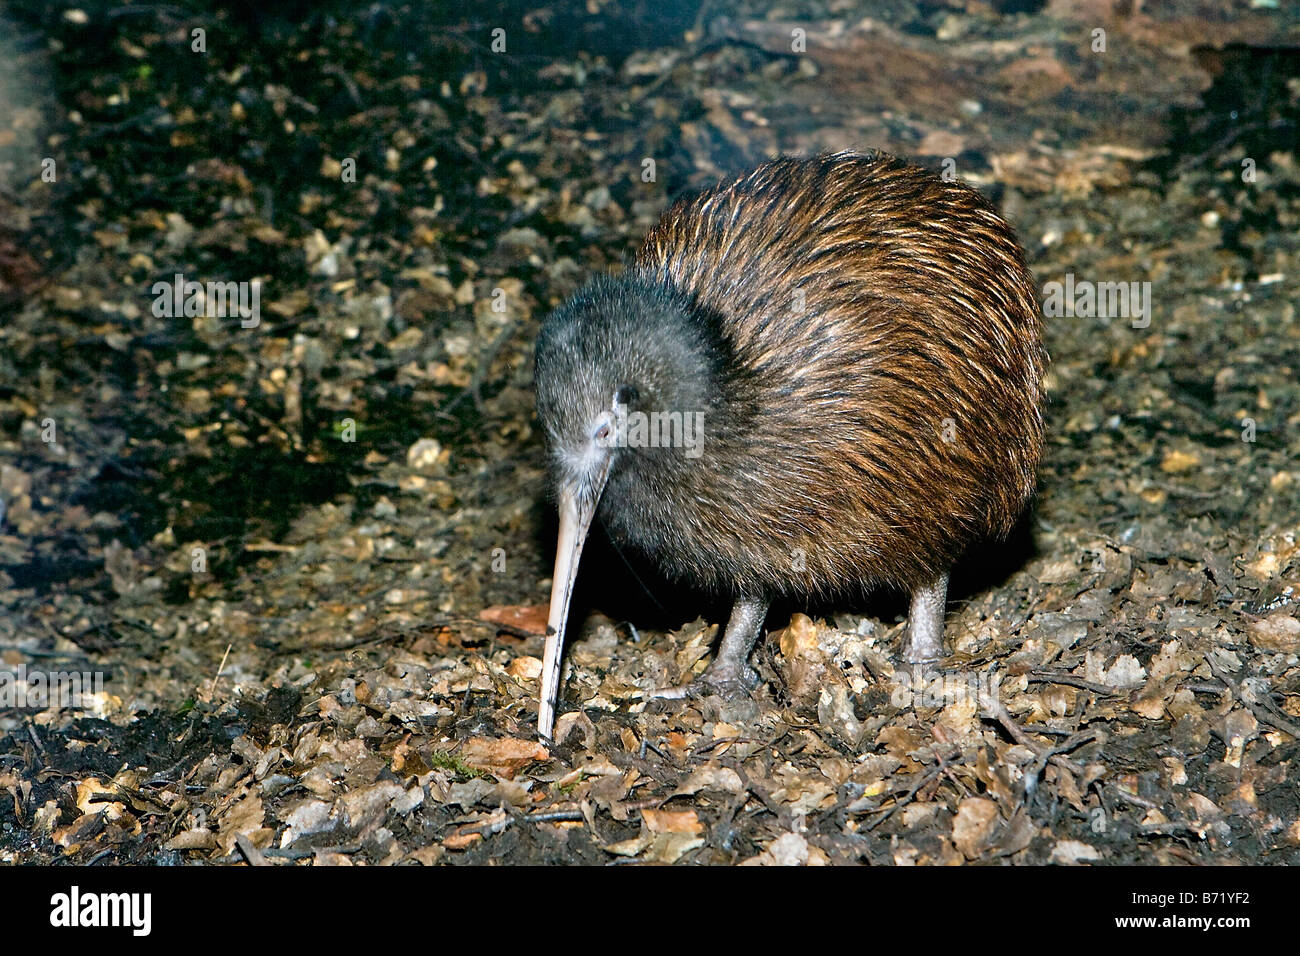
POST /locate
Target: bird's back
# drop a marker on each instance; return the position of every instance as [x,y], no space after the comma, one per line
[886,353]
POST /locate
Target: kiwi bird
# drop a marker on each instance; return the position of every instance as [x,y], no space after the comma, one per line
[818,377]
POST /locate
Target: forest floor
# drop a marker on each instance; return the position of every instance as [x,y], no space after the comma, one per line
[308,553]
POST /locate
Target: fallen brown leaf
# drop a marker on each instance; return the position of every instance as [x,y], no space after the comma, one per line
[505,756]
[1279,632]
[672,821]
[530,618]
[973,827]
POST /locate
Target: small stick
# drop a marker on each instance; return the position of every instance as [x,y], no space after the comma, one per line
[475,388]
[31,732]
[1134,799]
[1069,680]
[1262,714]
[766,798]
[251,853]
[212,688]
[556,816]
[907,798]
[1044,755]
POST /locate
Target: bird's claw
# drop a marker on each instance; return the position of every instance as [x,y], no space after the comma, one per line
[729,683]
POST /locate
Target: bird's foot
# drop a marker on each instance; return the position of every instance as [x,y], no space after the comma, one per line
[730,682]
[916,672]
[918,652]
[919,662]
[729,676]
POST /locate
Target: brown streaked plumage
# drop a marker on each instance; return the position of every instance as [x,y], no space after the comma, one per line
[863,341]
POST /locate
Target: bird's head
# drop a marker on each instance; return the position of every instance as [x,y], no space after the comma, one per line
[618,366]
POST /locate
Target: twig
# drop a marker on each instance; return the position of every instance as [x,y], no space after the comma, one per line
[479,378]
[212,688]
[927,777]
[341,75]
[493,827]
[1133,799]
[1044,755]
[303,854]
[1262,714]
[554,816]
[778,811]
[1069,680]
[700,749]
[251,853]
[724,828]
[1075,741]
[1185,492]
[31,732]
[398,632]
[1169,829]
[996,710]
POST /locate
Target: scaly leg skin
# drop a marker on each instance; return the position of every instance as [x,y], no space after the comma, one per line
[730,674]
[925,623]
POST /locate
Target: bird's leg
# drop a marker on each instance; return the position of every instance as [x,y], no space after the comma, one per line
[925,623]
[730,674]
[730,671]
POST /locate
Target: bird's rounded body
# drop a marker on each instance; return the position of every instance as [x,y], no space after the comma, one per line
[859,341]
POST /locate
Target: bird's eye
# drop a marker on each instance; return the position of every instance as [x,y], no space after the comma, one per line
[602,433]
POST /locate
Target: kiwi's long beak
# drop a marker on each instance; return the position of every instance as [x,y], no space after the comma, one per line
[577,507]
